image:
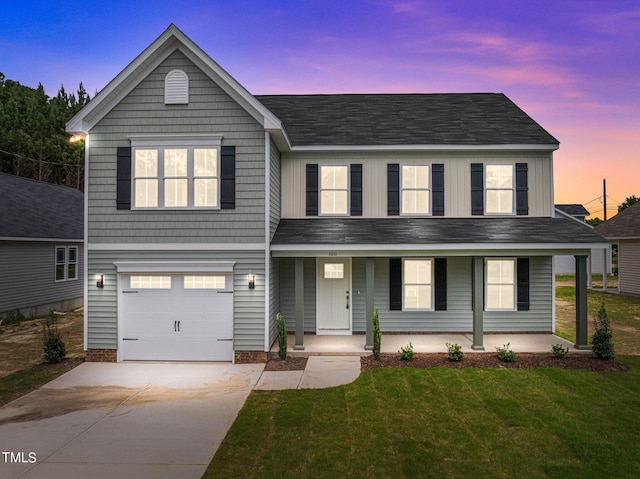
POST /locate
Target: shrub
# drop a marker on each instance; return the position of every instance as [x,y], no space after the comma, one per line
[282,337]
[377,338]
[559,351]
[455,352]
[52,344]
[602,341]
[406,353]
[506,354]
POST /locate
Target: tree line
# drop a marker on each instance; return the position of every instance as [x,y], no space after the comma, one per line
[33,140]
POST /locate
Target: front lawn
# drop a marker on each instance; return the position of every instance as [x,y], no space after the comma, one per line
[406,423]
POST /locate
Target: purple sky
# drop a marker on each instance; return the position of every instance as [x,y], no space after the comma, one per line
[573,65]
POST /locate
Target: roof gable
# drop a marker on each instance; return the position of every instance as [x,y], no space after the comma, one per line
[625,224]
[573,209]
[35,210]
[171,40]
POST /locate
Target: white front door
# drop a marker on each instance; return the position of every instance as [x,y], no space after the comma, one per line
[333,300]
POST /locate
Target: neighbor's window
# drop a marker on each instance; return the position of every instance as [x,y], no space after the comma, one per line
[418,283]
[204,282]
[415,190]
[499,189]
[501,281]
[66,263]
[334,190]
[333,271]
[179,177]
[150,282]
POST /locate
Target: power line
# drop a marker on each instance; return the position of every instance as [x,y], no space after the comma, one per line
[69,165]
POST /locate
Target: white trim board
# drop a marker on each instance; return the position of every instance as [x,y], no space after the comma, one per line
[176,246]
[430,147]
[174,266]
[49,240]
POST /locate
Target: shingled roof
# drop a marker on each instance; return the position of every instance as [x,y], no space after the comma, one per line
[625,224]
[573,209]
[405,119]
[432,231]
[33,209]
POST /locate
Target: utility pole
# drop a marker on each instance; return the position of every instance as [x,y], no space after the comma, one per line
[604,195]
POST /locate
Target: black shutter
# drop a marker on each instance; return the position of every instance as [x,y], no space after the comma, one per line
[395,284]
[440,278]
[522,189]
[312,190]
[356,190]
[228,177]
[123,178]
[393,189]
[477,189]
[523,284]
[437,189]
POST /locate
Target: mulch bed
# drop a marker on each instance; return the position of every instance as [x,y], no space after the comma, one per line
[289,364]
[490,360]
[67,364]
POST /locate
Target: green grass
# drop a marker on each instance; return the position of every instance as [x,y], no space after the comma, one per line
[406,423]
[24,381]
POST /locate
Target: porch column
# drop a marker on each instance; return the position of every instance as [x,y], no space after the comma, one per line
[605,268]
[582,341]
[299,299]
[477,285]
[370,285]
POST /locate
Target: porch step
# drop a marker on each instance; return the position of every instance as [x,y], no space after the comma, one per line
[307,354]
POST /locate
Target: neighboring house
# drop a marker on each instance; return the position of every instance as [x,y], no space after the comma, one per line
[41,247]
[566,264]
[624,230]
[211,210]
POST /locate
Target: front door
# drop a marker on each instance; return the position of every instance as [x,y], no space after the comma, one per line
[333,311]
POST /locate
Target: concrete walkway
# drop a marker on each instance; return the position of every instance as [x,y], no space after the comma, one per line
[320,372]
[125,420]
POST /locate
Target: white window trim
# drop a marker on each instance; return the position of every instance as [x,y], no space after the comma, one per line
[348,167]
[432,284]
[428,189]
[162,143]
[513,189]
[515,283]
[65,264]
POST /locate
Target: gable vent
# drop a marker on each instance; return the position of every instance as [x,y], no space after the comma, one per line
[176,88]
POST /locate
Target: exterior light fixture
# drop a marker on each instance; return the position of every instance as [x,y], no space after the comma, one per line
[252,281]
[76,138]
[100,280]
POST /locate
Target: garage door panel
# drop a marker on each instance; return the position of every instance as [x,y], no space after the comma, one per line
[176,324]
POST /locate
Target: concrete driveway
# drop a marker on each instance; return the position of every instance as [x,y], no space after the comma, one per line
[124,420]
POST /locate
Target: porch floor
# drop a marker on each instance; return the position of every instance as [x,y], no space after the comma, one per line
[353,345]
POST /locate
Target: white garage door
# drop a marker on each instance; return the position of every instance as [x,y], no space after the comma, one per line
[176,317]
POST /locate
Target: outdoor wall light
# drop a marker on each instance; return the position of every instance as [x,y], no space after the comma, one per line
[100,280]
[252,281]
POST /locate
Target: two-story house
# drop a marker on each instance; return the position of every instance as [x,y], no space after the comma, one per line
[209,210]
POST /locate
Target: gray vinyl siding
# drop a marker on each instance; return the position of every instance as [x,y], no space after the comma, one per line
[210,111]
[248,305]
[629,266]
[457,317]
[274,198]
[539,316]
[287,293]
[27,276]
[274,298]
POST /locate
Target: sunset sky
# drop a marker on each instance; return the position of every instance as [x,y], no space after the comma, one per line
[573,65]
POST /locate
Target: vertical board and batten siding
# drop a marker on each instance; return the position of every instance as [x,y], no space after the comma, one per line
[540,315]
[457,178]
[457,318]
[248,305]
[209,111]
[287,293]
[629,266]
[28,275]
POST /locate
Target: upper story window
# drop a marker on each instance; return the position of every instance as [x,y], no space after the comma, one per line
[500,284]
[66,263]
[176,88]
[499,189]
[418,284]
[334,190]
[176,177]
[415,191]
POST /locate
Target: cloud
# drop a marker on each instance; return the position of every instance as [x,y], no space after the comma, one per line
[626,22]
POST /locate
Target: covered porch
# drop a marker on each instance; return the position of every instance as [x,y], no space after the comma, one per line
[354,345]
